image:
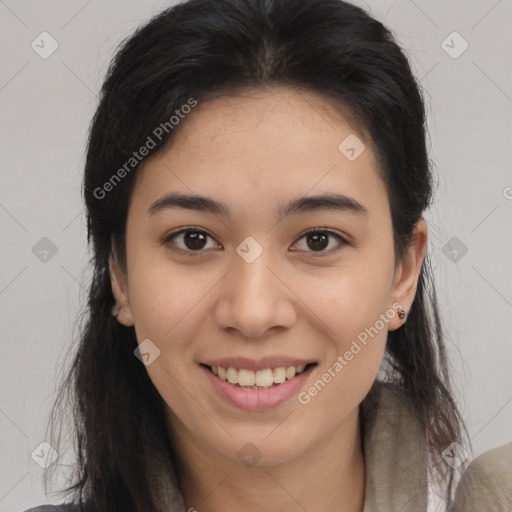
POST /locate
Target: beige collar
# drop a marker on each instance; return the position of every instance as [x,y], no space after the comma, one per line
[394,451]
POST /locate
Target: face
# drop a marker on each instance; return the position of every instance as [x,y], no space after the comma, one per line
[242,281]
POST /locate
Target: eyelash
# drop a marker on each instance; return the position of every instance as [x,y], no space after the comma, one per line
[197,253]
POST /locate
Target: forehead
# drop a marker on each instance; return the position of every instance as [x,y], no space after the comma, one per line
[260,144]
[281,115]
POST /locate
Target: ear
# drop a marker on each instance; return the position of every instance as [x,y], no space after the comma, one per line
[407,274]
[118,281]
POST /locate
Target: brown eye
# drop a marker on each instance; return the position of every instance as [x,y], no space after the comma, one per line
[194,240]
[188,240]
[319,239]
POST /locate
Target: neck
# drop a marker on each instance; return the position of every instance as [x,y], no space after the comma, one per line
[326,476]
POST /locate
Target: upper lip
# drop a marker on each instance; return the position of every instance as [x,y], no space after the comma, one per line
[243,363]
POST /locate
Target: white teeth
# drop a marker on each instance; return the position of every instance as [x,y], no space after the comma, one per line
[232,376]
[290,372]
[259,379]
[264,378]
[279,375]
[246,378]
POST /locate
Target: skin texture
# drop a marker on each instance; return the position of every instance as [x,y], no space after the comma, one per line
[254,152]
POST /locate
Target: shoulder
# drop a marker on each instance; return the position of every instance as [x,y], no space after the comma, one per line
[54,508]
[487,482]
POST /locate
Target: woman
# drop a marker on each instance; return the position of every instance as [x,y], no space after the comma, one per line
[262,331]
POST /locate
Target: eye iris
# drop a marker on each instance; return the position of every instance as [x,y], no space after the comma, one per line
[319,240]
[193,238]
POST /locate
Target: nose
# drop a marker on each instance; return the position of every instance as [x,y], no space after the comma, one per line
[256,298]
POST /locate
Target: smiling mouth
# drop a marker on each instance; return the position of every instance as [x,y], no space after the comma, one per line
[261,379]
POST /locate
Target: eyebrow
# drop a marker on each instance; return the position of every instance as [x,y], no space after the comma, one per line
[325,202]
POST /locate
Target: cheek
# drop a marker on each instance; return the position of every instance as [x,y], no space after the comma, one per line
[349,300]
[163,296]
[166,304]
[353,309]
[358,318]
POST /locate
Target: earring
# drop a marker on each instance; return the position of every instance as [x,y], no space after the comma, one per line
[401,313]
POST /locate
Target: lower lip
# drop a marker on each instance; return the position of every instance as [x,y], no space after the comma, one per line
[257,399]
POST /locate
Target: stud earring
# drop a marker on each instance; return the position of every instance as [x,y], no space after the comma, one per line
[401,313]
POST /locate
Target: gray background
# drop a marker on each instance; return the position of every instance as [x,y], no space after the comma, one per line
[46,106]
